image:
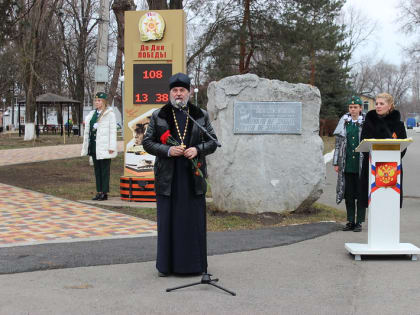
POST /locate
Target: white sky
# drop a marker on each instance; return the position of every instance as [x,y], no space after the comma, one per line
[388,41]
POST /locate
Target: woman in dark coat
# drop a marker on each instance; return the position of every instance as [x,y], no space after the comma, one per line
[382,123]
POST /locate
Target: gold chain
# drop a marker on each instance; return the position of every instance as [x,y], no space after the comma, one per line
[177,128]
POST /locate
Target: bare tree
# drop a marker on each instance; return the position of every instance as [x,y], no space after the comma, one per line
[409,15]
[409,19]
[220,15]
[411,103]
[393,79]
[384,77]
[77,27]
[415,87]
[361,78]
[34,33]
[359,28]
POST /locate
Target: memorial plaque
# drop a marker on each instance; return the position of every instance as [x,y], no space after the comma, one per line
[267,117]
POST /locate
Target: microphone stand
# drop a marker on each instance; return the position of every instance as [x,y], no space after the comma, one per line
[206,277]
[199,126]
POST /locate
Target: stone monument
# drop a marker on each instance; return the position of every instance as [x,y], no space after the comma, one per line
[271,158]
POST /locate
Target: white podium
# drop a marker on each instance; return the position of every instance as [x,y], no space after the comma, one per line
[384,200]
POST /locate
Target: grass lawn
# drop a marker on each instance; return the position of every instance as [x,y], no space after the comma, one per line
[13,141]
[73,179]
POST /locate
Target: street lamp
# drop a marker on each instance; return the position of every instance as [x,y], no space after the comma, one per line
[121,79]
[195,95]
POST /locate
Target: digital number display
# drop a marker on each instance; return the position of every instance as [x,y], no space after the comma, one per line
[151,83]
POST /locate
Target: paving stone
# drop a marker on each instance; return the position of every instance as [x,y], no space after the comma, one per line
[28,217]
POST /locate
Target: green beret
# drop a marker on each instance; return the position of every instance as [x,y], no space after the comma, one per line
[101,95]
[355,100]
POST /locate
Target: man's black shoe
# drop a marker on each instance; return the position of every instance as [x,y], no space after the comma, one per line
[349,226]
[97,197]
[162,274]
[103,196]
[357,228]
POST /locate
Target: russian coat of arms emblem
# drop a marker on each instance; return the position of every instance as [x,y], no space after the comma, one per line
[151,26]
[386,174]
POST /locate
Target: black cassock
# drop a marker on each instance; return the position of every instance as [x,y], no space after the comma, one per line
[181,219]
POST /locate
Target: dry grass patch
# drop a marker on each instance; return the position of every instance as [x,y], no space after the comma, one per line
[329,144]
[224,221]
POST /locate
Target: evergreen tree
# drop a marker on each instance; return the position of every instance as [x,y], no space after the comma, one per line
[300,43]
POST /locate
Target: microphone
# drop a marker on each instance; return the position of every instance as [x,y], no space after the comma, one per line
[179,104]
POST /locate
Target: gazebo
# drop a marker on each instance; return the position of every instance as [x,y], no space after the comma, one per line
[50,99]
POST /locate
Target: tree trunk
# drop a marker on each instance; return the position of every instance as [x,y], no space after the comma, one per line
[312,80]
[157,4]
[242,39]
[30,109]
[119,7]
[175,4]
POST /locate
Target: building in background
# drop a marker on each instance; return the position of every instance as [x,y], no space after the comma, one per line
[368,103]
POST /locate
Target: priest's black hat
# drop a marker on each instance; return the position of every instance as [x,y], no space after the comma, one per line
[179,80]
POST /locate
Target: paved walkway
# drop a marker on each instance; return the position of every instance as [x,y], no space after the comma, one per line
[29,218]
[45,153]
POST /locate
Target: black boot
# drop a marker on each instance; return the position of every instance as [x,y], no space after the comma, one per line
[357,227]
[103,196]
[97,197]
[349,226]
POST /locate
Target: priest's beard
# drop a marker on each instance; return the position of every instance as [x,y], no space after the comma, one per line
[177,103]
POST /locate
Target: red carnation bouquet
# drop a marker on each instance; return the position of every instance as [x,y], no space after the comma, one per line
[167,138]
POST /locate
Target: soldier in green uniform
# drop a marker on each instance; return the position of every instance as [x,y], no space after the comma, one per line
[100,142]
[347,163]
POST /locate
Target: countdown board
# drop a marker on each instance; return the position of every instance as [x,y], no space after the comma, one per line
[154,50]
[150,83]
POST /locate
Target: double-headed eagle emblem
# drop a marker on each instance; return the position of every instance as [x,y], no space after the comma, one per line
[386,174]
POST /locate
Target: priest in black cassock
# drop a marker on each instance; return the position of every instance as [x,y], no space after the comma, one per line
[180,169]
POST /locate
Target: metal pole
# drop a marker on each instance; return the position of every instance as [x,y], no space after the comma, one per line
[37,120]
[68,120]
[62,118]
[12,127]
[195,95]
[101,70]
[122,104]
[20,133]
